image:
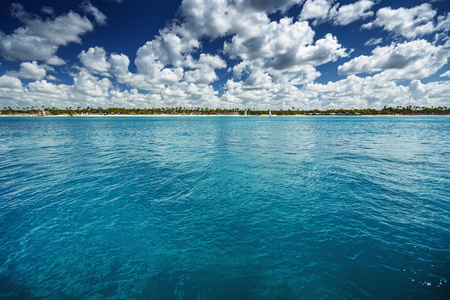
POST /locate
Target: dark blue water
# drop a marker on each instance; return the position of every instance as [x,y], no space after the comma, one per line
[225,208]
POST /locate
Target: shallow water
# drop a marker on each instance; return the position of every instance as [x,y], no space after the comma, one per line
[225,207]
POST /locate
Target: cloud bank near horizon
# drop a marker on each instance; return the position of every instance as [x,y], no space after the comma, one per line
[242,53]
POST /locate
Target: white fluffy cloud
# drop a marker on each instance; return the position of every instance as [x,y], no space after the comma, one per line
[40,39]
[406,61]
[407,22]
[204,75]
[213,61]
[10,83]
[326,10]
[430,94]
[215,18]
[119,64]
[272,40]
[282,49]
[166,49]
[353,91]
[56,61]
[347,14]
[258,80]
[29,70]
[133,98]
[190,95]
[160,61]
[140,81]
[43,88]
[89,85]
[319,10]
[94,60]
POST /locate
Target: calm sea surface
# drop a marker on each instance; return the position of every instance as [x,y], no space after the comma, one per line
[225,208]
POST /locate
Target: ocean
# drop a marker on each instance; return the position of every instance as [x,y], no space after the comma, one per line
[225,207]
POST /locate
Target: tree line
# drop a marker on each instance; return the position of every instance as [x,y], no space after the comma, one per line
[399,110]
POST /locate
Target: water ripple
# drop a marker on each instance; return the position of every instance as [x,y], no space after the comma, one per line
[203,208]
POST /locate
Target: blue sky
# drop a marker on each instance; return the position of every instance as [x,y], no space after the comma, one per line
[275,54]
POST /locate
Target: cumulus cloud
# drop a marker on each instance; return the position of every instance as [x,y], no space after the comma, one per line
[201,76]
[216,18]
[94,60]
[284,48]
[99,17]
[353,91]
[166,49]
[119,64]
[39,39]
[89,85]
[162,61]
[408,22]
[303,75]
[280,95]
[10,83]
[271,52]
[29,70]
[47,89]
[140,81]
[319,10]
[56,61]
[258,80]
[204,68]
[324,50]
[272,40]
[405,61]
[190,95]
[347,14]
[154,77]
[430,94]
[12,92]
[213,61]
[133,98]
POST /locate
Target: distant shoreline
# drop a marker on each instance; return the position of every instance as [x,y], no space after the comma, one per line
[205,111]
[218,115]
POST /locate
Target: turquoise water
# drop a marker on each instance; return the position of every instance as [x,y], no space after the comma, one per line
[225,207]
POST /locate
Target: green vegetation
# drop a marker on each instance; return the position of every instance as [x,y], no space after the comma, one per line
[53,111]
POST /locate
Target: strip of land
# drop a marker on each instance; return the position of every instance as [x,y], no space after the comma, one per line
[180,111]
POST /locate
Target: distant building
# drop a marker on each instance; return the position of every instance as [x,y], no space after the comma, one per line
[42,112]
